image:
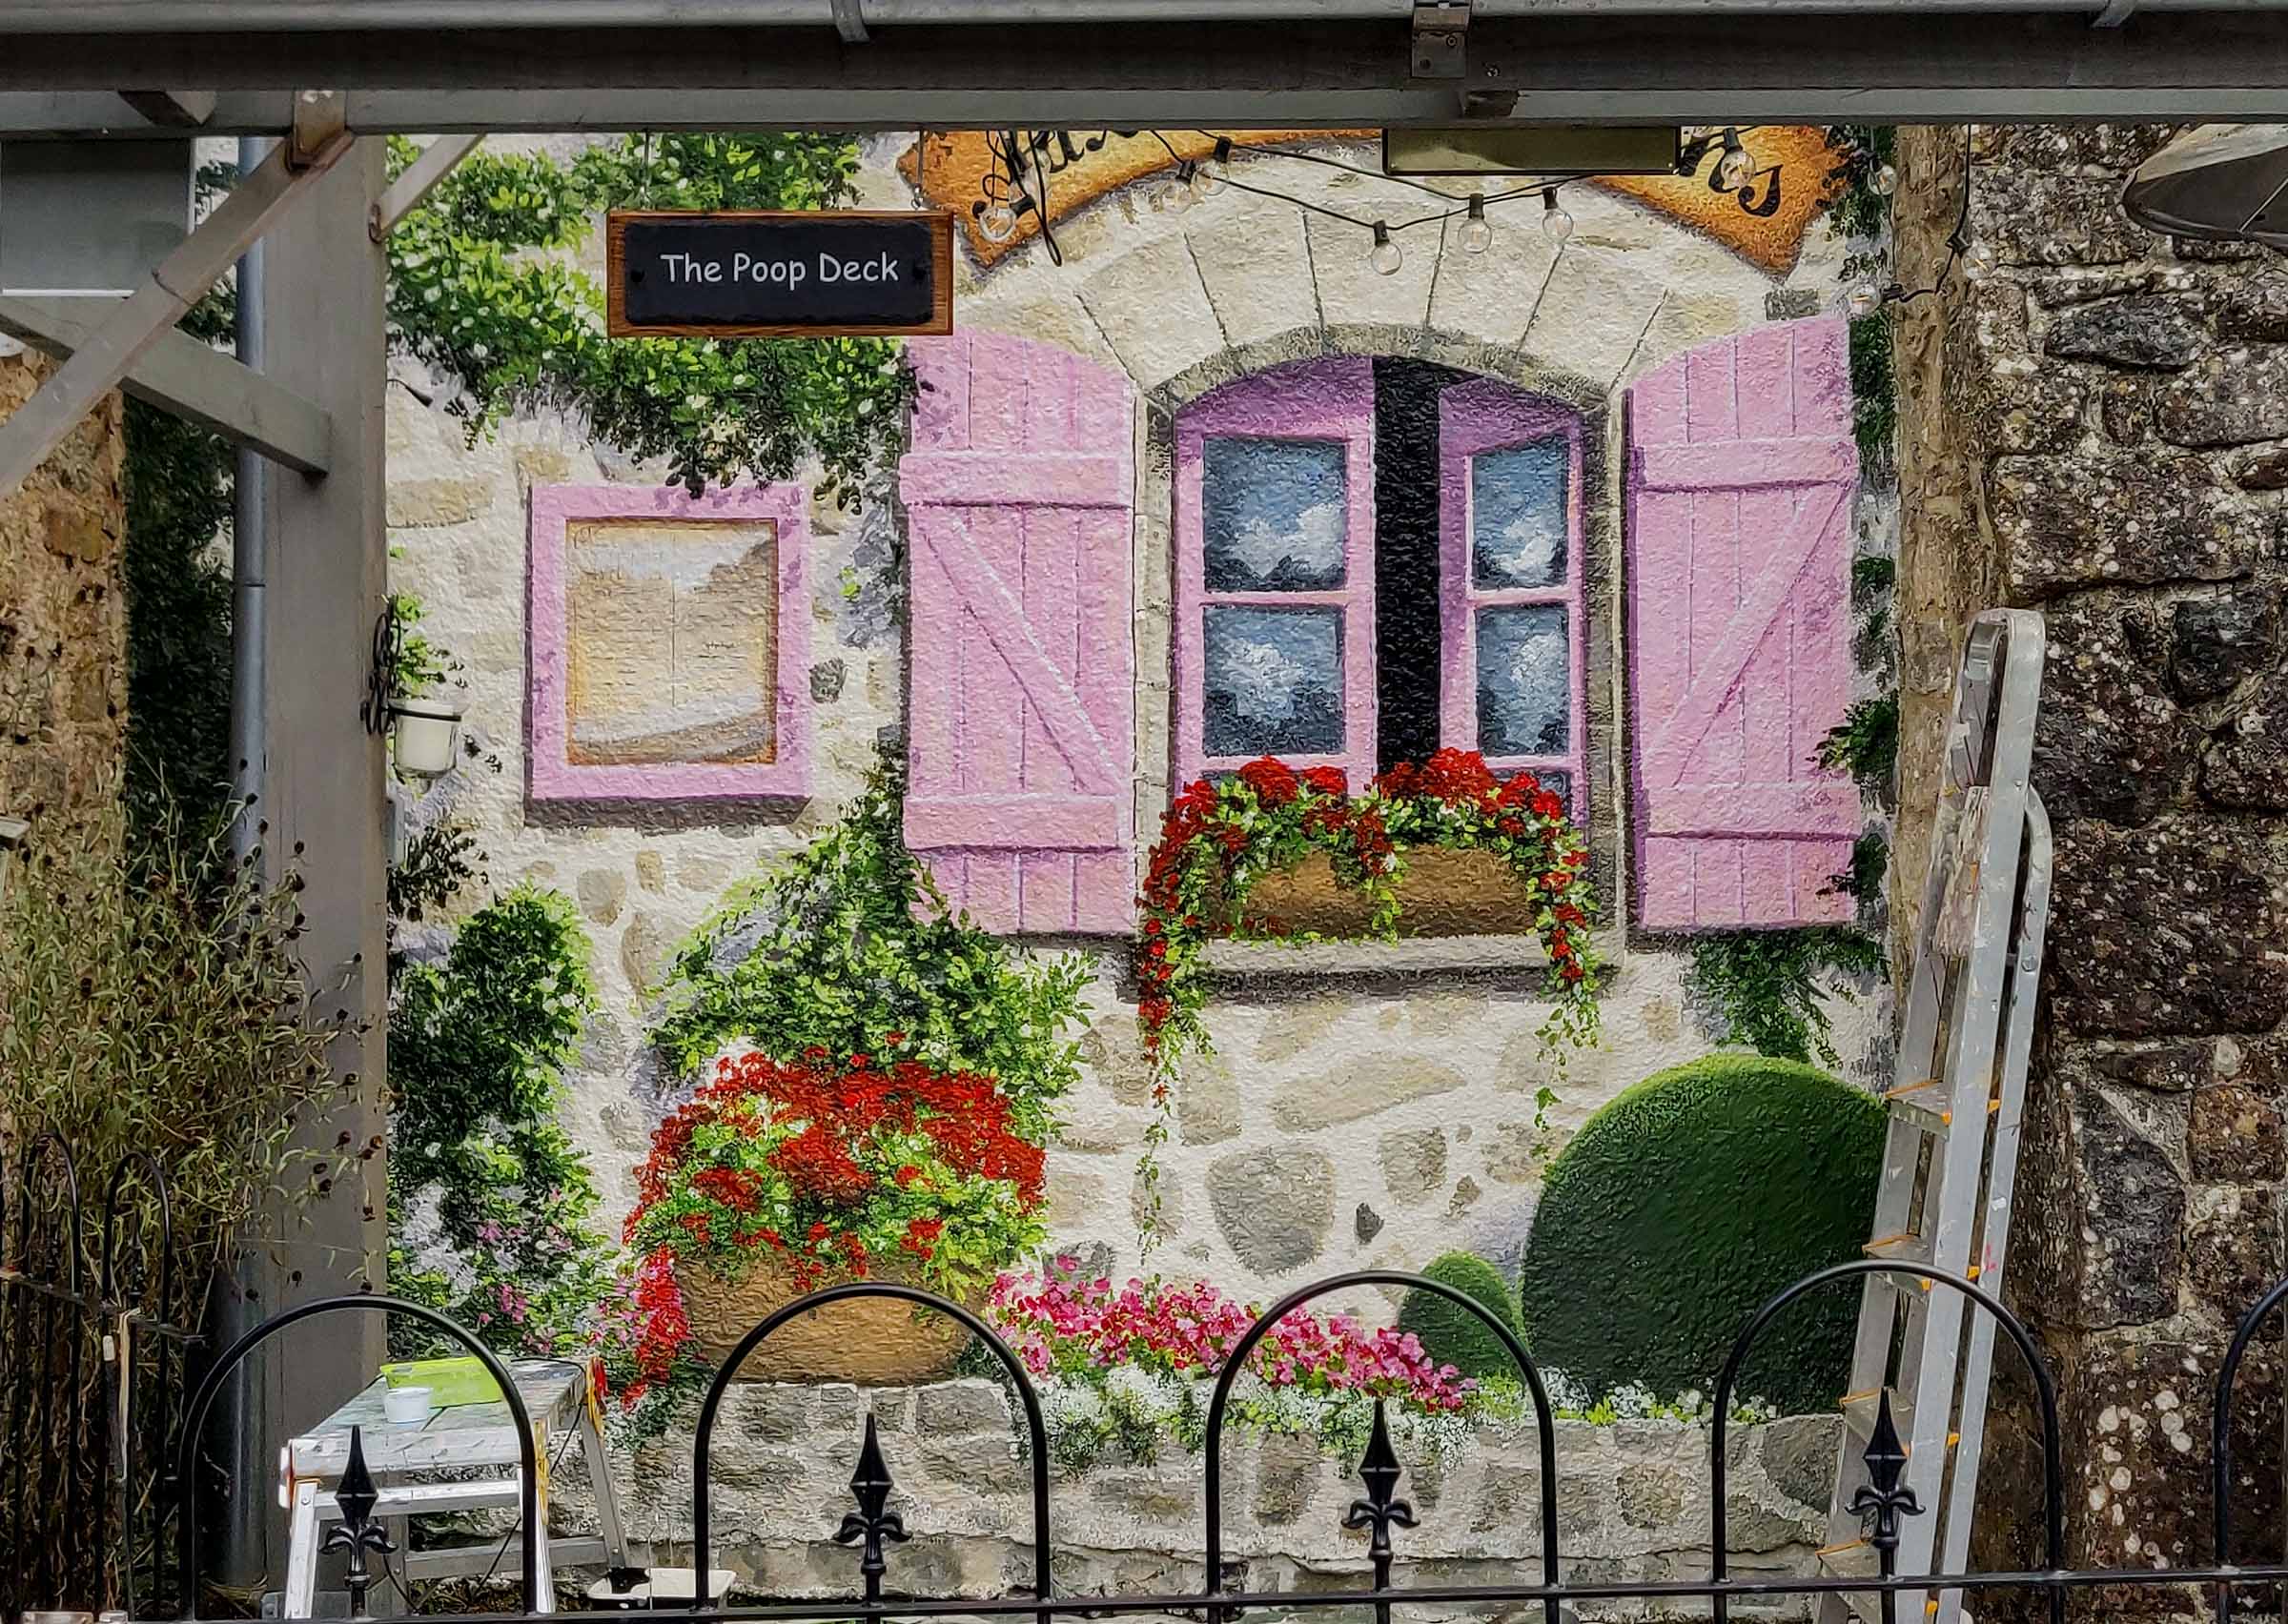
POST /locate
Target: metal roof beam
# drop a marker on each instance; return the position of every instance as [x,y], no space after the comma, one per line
[1765,67]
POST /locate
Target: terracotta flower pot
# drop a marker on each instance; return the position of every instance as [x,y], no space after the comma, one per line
[1445,892]
[873,1341]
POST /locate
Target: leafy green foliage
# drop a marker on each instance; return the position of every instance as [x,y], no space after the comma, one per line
[1874,395]
[846,948]
[1863,880]
[1866,744]
[1450,1333]
[1854,207]
[178,479]
[520,330]
[491,1206]
[1768,989]
[439,861]
[421,666]
[151,998]
[1734,1175]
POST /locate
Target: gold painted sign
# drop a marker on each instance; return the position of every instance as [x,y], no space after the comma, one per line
[977,174]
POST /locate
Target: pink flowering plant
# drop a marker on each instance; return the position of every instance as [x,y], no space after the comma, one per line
[1130,1365]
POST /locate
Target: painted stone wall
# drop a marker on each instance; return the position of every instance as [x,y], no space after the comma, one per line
[2099,431]
[63,632]
[1369,1104]
[1028,625]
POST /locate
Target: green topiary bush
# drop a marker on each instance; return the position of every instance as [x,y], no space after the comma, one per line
[1450,1333]
[1685,1204]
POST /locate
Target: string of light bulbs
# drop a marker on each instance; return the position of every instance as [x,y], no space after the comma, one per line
[1974,255]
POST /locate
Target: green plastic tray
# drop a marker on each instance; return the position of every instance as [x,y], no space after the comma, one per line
[452,1381]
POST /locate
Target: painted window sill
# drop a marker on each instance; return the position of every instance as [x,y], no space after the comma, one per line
[1410,956]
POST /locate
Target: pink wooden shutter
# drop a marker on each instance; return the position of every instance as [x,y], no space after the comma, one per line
[1741,472]
[1019,495]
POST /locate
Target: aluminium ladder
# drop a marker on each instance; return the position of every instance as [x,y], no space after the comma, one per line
[1951,1151]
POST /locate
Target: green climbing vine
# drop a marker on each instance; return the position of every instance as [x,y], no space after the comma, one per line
[1770,988]
[512,329]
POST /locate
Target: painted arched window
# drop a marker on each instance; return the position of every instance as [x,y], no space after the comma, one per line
[1374,559]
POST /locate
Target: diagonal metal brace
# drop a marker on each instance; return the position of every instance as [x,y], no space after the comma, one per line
[178,281]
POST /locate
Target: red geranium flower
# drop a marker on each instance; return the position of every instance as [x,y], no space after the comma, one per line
[1328,781]
[1273,780]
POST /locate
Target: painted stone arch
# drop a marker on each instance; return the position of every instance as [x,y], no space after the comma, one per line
[1056,679]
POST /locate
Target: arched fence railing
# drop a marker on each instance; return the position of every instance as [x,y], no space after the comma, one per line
[874,1525]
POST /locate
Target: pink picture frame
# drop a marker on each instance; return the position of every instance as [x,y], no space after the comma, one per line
[554,774]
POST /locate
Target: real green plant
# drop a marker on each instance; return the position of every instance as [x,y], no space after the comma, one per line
[483,292]
[1768,989]
[153,1003]
[492,1207]
[1874,395]
[421,666]
[1855,207]
[1863,880]
[440,861]
[1449,1333]
[1684,1205]
[178,479]
[1866,744]
[847,942]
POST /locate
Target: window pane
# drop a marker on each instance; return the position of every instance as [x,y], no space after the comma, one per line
[1274,513]
[672,634]
[1524,681]
[1519,514]
[1274,681]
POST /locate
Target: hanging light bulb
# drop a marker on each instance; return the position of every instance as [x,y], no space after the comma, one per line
[1477,232]
[1207,178]
[1735,170]
[1173,195]
[1978,260]
[1556,224]
[1864,299]
[1386,256]
[1886,180]
[998,223]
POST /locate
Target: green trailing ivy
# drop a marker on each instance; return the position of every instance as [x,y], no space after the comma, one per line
[1866,744]
[846,948]
[1768,989]
[492,1207]
[519,330]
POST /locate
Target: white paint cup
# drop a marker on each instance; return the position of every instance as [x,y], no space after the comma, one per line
[407,1406]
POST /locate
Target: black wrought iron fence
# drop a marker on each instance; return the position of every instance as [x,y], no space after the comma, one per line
[97,1336]
[873,1527]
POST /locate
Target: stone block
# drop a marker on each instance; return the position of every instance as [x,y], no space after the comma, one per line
[2235,1135]
[1287,1477]
[2231,1247]
[2039,411]
[2248,767]
[2233,398]
[2145,334]
[1491,296]
[1275,1207]
[2250,304]
[2035,217]
[1413,1164]
[2215,642]
[1351,292]
[651,871]
[1800,1453]
[957,1408]
[2162,931]
[644,947]
[1591,316]
[1155,310]
[2110,740]
[1207,1105]
[602,893]
[2115,518]
[1359,1087]
[447,499]
[1255,265]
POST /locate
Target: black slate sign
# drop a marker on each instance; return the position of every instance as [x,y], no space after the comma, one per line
[783,275]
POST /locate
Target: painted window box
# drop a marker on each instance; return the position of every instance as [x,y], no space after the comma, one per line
[1443,892]
[669,643]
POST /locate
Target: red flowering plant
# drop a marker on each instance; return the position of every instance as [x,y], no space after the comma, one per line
[1220,838]
[837,1168]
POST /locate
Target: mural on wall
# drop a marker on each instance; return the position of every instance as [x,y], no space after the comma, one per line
[1323,710]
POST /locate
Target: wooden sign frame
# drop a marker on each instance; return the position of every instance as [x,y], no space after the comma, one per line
[941,271]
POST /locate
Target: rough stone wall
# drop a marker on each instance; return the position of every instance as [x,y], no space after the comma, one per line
[63,627]
[2100,431]
[1632,1502]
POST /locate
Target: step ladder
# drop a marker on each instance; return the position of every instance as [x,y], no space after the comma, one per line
[1951,1154]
